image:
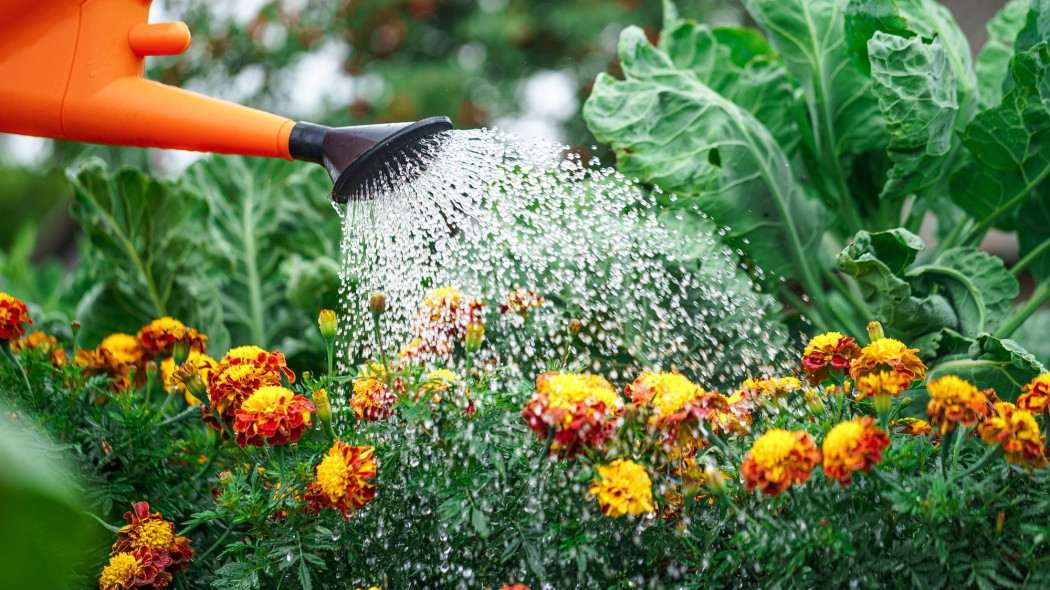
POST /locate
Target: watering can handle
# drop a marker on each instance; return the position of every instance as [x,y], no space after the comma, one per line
[73,70]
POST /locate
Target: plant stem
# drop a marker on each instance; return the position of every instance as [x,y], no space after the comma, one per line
[1034,253]
[214,545]
[6,345]
[960,438]
[992,454]
[1038,298]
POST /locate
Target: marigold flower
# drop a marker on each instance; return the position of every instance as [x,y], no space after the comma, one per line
[141,568]
[953,402]
[116,357]
[825,352]
[887,353]
[342,479]
[511,587]
[623,487]
[769,388]
[328,323]
[322,405]
[150,531]
[1035,396]
[578,408]
[272,415]
[13,314]
[242,371]
[443,384]
[205,366]
[40,341]
[737,419]
[855,445]
[158,338]
[1017,431]
[372,399]
[881,382]
[912,426]
[520,302]
[778,459]
[445,315]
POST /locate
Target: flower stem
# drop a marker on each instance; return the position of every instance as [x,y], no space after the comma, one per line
[992,454]
[6,345]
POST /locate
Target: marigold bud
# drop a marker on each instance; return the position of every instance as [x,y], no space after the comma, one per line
[328,324]
[188,375]
[107,449]
[475,334]
[814,401]
[321,405]
[875,331]
[713,477]
[151,368]
[377,303]
[574,327]
[180,351]
[75,326]
[882,403]
[225,477]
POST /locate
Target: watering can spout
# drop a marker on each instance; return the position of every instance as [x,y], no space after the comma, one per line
[73,70]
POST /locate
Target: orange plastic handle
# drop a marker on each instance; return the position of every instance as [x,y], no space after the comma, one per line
[72,69]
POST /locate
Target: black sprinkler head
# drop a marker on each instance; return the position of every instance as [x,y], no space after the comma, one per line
[354,155]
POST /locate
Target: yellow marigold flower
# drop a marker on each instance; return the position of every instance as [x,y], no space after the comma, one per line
[149,532]
[372,400]
[913,426]
[13,314]
[887,353]
[778,459]
[159,337]
[882,382]
[954,401]
[40,341]
[205,367]
[825,352]
[737,419]
[272,415]
[851,446]
[443,383]
[342,479]
[1017,431]
[578,409]
[122,350]
[520,302]
[242,371]
[1035,396]
[769,388]
[121,572]
[446,313]
[623,487]
[115,357]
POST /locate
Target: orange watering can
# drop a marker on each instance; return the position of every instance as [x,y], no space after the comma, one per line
[73,70]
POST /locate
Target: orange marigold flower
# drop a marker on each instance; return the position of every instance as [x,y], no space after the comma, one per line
[520,302]
[778,459]
[887,353]
[954,401]
[825,352]
[272,415]
[141,568]
[623,487]
[146,530]
[577,409]
[851,446]
[242,371]
[372,399]
[205,367]
[513,587]
[737,419]
[444,384]
[445,315]
[882,382]
[1017,431]
[159,337]
[341,480]
[40,341]
[768,388]
[13,314]
[1035,396]
[913,426]
[117,356]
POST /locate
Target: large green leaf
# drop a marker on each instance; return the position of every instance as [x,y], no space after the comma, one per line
[741,66]
[915,86]
[993,63]
[144,257]
[1011,154]
[990,362]
[270,223]
[1033,233]
[977,284]
[809,36]
[669,128]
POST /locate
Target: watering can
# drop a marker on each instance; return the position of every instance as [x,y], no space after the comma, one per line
[73,70]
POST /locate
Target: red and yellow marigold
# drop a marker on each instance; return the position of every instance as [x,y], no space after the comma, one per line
[146,530]
[40,341]
[444,385]
[778,459]
[520,302]
[827,352]
[242,371]
[913,426]
[1035,396]
[674,399]
[855,445]
[205,366]
[954,402]
[768,389]
[623,487]
[737,419]
[272,415]
[448,312]
[887,353]
[1018,433]
[117,357]
[13,314]
[342,479]
[141,568]
[578,409]
[881,382]
[372,398]
[159,337]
